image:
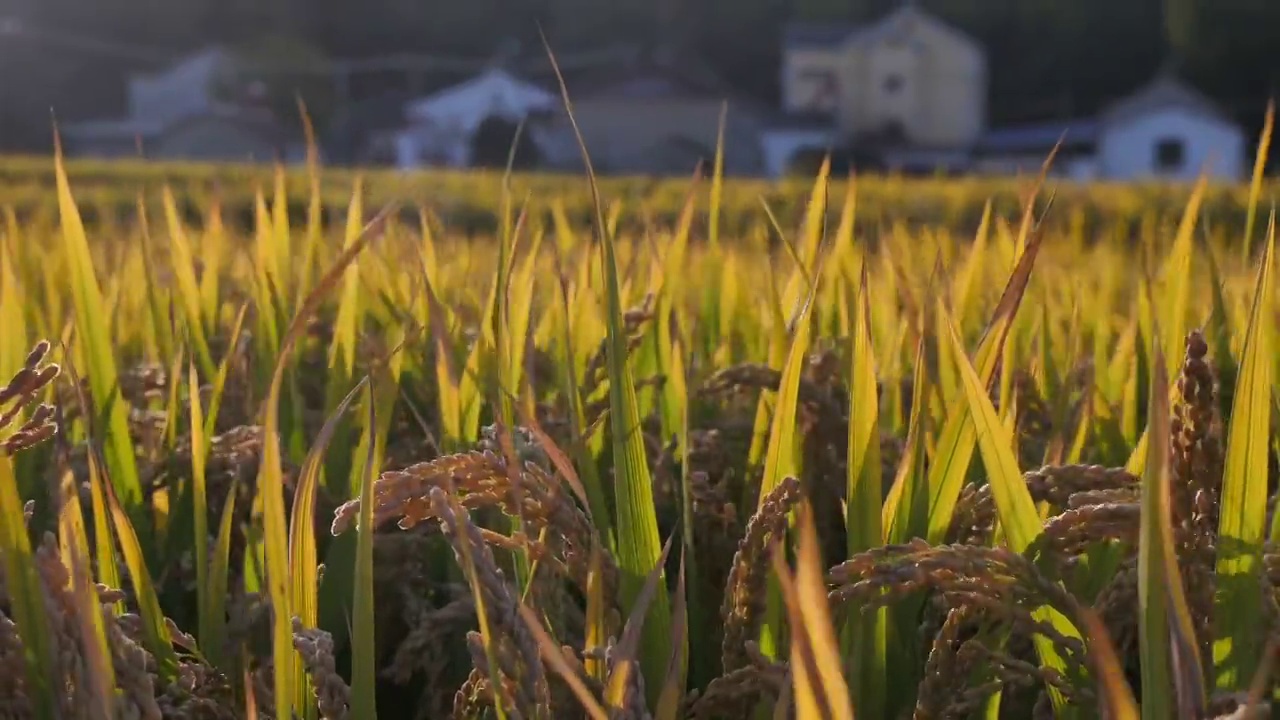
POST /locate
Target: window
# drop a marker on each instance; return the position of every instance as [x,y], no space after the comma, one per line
[1170,154]
[893,83]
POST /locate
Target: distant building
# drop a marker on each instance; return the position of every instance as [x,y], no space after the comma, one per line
[657,116]
[1164,130]
[637,115]
[440,129]
[909,85]
[201,108]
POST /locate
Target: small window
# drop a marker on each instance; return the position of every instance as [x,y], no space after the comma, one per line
[1170,154]
[894,83]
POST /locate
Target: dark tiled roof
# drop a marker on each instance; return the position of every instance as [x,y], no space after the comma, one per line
[816,35]
[1165,91]
[830,34]
[1040,136]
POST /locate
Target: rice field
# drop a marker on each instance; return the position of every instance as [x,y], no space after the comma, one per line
[302,448]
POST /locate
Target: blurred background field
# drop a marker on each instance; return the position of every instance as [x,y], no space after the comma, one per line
[469,200]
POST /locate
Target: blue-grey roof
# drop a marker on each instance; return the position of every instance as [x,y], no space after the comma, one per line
[816,35]
[1041,136]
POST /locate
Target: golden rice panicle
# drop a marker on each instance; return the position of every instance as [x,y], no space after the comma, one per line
[1195,443]
[14,702]
[1117,606]
[473,696]
[975,513]
[951,664]
[404,494]
[1196,468]
[517,651]
[1003,584]
[19,393]
[1072,532]
[62,611]
[744,594]
[731,695]
[481,479]
[333,696]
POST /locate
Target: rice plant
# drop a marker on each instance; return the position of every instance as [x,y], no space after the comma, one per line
[718,451]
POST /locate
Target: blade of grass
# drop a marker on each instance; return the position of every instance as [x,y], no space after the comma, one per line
[224,367]
[620,680]
[1171,676]
[865,650]
[218,582]
[637,523]
[956,443]
[1177,280]
[104,382]
[303,555]
[155,630]
[671,699]
[1113,690]
[270,483]
[821,692]
[1259,170]
[1238,610]
[183,265]
[200,517]
[364,658]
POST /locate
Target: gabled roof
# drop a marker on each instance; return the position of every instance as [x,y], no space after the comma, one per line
[818,36]
[1166,91]
[206,62]
[452,100]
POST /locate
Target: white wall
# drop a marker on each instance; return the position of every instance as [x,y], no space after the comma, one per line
[1126,150]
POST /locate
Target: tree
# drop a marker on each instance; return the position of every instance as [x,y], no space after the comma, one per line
[1180,28]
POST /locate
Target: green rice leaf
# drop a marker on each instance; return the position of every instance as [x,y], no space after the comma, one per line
[866,649]
[1238,610]
[364,658]
[1172,682]
[638,544]
[104,382]
[956,443]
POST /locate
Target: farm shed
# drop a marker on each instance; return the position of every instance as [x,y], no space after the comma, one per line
[1170,131]
[1165,130]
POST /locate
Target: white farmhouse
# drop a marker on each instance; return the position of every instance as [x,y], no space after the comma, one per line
[439,128]
[206,106]
[1170,131]
[1166,130]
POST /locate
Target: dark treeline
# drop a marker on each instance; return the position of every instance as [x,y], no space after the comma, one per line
[1048,58]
